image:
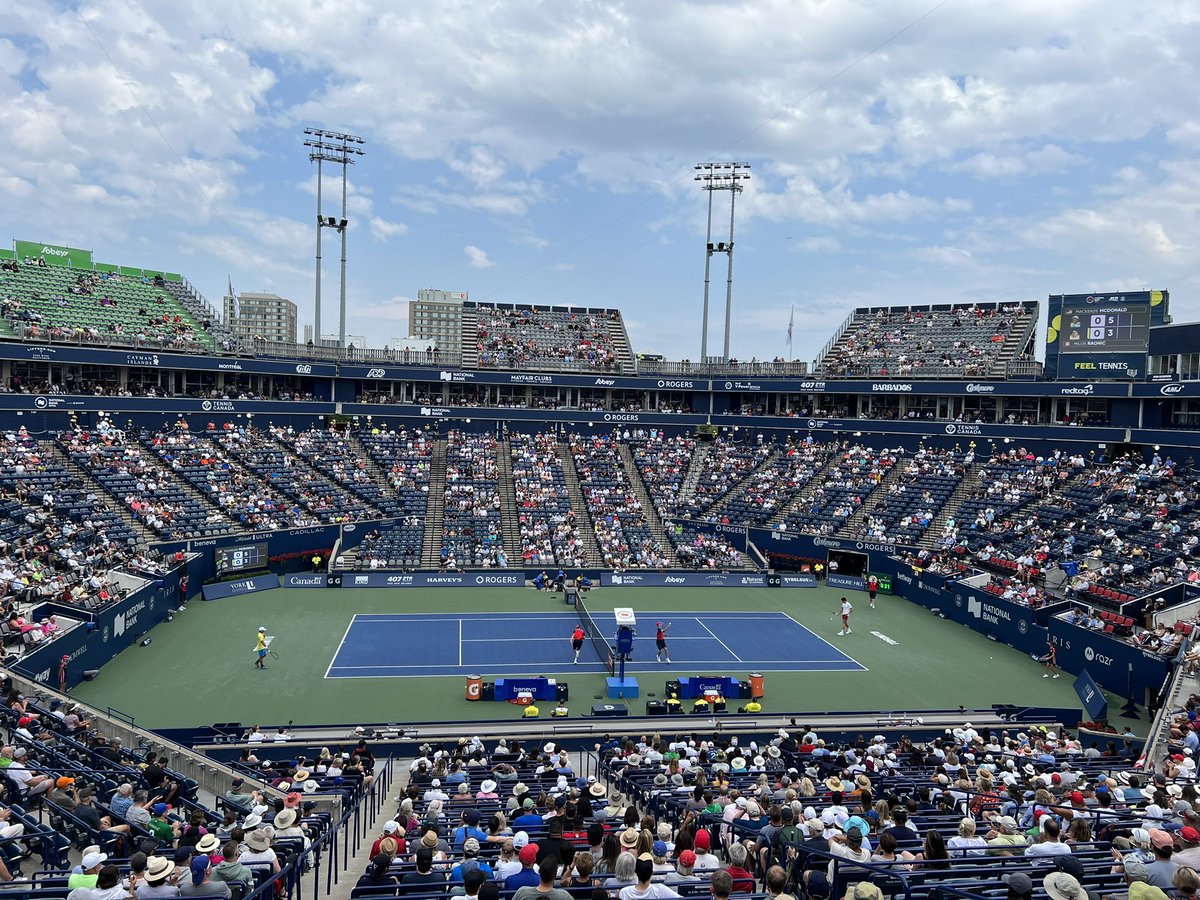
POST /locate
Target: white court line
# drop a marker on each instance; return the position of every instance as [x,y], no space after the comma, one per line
[681,662]
[345,634]
[827,644]
[585,668]
[492,640]
[517,615]
[717,639]
[460,641]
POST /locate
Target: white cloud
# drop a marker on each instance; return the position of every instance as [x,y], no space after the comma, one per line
[383,230]
[477,258]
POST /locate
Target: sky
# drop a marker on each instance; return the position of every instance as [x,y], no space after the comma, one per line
[543,152]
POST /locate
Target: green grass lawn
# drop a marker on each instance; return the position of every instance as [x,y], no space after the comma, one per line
[198,669]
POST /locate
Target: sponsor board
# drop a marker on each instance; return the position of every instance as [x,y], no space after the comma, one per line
[238,588]
[850,582]
[432,579]
[682,579]
[310,580]
[797,581]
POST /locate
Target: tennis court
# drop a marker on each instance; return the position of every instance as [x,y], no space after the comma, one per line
[517,643]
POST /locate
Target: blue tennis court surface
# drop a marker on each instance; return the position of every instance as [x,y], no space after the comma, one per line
[498,644]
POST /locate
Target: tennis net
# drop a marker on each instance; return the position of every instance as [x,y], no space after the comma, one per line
[596,634]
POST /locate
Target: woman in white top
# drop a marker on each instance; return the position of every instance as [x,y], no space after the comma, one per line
[258,852]
[966,842]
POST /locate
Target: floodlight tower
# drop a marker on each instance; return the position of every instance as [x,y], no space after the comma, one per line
[725,176]
[340,149]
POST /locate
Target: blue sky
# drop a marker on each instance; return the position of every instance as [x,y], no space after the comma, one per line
[542,151]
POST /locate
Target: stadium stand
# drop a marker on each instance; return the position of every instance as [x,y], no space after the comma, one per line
[950,341]
[57,303]
[549,528]
[509,337]
[472,534]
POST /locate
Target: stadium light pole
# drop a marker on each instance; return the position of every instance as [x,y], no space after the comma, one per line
[340,149]
[726,176]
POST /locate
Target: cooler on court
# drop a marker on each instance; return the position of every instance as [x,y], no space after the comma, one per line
[756,686]
[474,687]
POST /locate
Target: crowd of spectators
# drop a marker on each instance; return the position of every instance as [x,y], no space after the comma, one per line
[471,526]
[549,527]
[793,814]
[845,486]
[58,541]
[901,343]
[722,465]
[57,303]
[1090,524]
[146,488]
[212,463]
[911,503]
[622,532]
[529,337]
[770,488]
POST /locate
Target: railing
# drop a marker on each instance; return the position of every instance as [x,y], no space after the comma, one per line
[1024,367]
[733,367]
[832,342]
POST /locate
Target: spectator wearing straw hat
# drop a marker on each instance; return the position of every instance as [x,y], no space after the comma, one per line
[393,830]
[159,880]
[258,851]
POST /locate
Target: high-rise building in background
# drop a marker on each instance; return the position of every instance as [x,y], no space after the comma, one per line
[435,317]
[266,316]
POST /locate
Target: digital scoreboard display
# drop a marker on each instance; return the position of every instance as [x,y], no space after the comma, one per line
[1102,327]
[241,559]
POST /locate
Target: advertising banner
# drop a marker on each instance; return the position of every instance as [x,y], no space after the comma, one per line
[1114,664]
[849,582]
[54,255]
[797,581]
[1093,699]
[432,579]
[252,585]
[682,579]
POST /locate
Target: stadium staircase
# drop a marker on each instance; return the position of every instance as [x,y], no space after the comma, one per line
[110,502]
[1014,344]
[571,476]
[850,526]
[195,303]
[739,487]
[620,344]
[634,477]
[816,481]
[965,489]
[687,490]
[469,339]
[510,516]
[378,476]
[431,549]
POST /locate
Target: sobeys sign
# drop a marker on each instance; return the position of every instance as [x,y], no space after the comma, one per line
[55,255]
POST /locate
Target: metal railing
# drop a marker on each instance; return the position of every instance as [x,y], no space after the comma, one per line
[733,367]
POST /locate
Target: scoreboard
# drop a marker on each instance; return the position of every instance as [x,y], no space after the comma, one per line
[1102,335]
[1105,328]
[242,559]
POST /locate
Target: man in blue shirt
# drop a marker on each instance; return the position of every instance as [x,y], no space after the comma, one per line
[529,818]
[527,877]
[468,830]
[470,862]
